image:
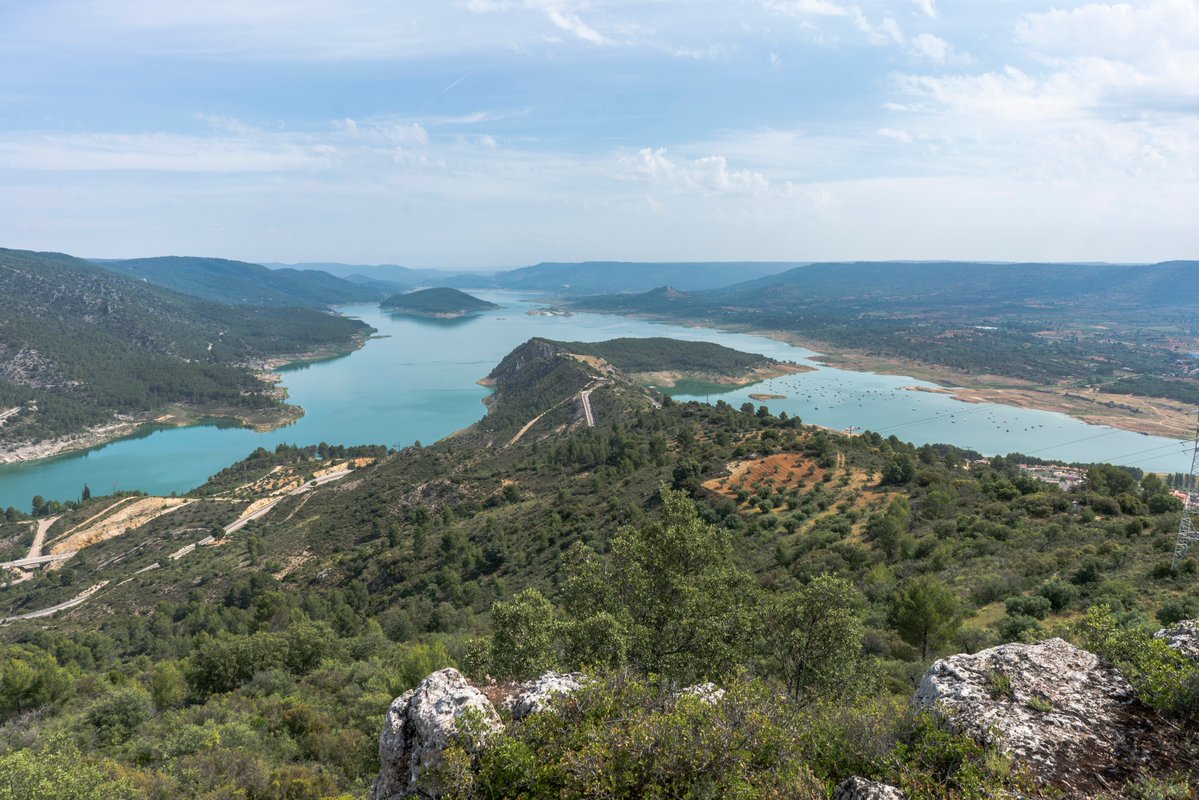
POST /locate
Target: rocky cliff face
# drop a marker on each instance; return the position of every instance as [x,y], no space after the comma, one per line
[1183,637]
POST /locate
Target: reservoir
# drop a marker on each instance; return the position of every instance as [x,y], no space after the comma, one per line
[417,382]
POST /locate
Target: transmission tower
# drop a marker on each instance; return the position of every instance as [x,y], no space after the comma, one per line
[1187,535]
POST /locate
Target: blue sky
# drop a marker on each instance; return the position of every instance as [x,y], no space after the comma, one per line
[505,132]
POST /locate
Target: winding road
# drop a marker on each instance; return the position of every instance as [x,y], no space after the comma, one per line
[45,612]
[35,558]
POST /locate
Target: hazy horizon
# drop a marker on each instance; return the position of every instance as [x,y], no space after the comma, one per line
[509,132]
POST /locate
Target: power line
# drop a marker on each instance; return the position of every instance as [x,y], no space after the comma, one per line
[1076,441]
[1186,526]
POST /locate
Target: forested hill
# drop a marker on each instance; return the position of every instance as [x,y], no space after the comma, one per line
[655,354]
[79,344]
[436,302]
[538,385]
[1146,287]
[240,283]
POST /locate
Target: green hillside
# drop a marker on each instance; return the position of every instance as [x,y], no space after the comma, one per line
[687,543]
[659,353]
[438,302]
[79,344]
[239,283]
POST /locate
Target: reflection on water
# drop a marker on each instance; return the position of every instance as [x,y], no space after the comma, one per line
[417,381]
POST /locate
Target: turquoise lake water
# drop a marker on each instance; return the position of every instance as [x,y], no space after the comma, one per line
[419,383]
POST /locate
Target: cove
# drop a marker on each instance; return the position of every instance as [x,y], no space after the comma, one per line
[417,382]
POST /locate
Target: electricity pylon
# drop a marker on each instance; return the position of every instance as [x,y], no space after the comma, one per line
[1187,535]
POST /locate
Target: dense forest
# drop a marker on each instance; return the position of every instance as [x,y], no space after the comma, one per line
[439,301]
[664,547]
[240,283]
[655,354]
[79,344]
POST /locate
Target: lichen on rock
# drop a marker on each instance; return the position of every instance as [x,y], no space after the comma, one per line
[861,789]
[1066,714]
[420,725]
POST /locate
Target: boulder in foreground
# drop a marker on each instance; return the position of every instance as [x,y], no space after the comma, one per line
[420,724]
[1064,713]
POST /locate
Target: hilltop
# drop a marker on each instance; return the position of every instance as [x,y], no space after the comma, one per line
[87,355]
[441,303]
[240,283]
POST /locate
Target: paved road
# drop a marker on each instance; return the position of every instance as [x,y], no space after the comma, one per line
[585,397]
[241,522]
[37,561]
[45,612]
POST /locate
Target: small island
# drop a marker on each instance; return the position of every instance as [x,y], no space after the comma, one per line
[439,303]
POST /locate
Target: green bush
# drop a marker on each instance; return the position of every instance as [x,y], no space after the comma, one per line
[626,738]
[1163,678]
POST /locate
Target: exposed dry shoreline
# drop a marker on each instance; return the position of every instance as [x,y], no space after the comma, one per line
[122,426]
[1153,416]
[668,379]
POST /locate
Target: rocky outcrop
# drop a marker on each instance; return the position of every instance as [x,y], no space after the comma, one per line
[1183,637]
[709,692]
[534,696]
[862,789]
[420,725]
[1064,713]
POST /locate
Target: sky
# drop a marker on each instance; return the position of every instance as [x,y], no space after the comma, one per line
[457,133]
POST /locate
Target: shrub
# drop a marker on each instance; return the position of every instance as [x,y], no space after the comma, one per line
[1033,606]
[1177,609]
[624,738]
[1163,678]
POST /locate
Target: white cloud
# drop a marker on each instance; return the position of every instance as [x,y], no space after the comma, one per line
[162,152]
[1140,31]
[928,47]
[709,175]
[900,136]
[824,8]
[558,12]
[927,6]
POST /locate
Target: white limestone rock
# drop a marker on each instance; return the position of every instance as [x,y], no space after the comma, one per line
[861,789]
[1064,713]
[419,727]
[535,695]
[1182,636]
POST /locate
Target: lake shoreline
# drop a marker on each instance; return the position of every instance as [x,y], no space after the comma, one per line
[1153,416]
[182,416]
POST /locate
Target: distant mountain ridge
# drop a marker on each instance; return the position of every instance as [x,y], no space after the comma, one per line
[612,277]
[243,283]
[974,282]
[387,273]
[923,283]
